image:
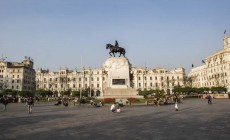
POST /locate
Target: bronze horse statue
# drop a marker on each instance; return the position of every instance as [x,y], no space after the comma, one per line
[115,49]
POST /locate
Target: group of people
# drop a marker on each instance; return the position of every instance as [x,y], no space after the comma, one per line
[95,104]
[63,101]
[115,108]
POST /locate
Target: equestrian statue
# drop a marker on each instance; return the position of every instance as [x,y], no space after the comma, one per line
[115,49]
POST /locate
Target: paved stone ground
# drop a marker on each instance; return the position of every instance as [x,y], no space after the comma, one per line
[195,120]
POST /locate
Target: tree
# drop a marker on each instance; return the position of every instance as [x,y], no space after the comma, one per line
[26,93]
[145,93]
[218,89]
[67,92]
[159,93]
[76,93]
[177,89]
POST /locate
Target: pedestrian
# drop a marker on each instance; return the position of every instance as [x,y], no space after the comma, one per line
[113,107]
[176,106]
[30,103]
[4,101]
[118,109]
[209,99]
[75,101]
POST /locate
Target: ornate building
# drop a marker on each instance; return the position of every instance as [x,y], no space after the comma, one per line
[17,76]
[98,79]
[66,79]
[215,71]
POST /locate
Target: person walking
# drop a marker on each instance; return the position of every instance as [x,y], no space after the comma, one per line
[30,103]
[176,106]
[75,101]
[209,99]
[4,101]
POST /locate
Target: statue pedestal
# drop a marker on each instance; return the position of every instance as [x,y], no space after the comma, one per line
[118,77]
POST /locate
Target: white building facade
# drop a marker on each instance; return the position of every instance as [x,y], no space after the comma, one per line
[97,79]
[17,76]
[215,71]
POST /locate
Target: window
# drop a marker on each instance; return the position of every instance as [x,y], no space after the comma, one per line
[150,77]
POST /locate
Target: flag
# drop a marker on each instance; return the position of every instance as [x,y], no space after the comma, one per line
[224,31]
[192,65]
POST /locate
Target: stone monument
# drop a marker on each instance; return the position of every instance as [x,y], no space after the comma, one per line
[117,70]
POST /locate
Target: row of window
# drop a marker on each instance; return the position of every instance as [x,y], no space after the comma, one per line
[214,83]
[68,86]
[157,84]
[162,78]
[68,79]
[211,77]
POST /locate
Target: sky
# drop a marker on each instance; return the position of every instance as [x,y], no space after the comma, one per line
[74,33]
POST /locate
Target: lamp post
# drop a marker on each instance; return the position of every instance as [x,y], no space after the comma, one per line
[89,82]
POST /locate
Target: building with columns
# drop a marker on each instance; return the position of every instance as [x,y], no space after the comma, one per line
[99,80]
[17,76]
[215,71]
[66,79]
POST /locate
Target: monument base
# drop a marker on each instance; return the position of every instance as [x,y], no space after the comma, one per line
[121,93]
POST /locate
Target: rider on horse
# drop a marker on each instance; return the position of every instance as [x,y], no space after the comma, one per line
[116,45]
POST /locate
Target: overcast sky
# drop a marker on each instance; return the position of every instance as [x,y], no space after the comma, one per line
[155,33]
